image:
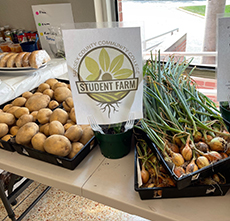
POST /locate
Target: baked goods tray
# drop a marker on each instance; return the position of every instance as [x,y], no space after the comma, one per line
[53,159]
[194,190]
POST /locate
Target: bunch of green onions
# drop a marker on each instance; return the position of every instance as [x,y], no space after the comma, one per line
[173,107]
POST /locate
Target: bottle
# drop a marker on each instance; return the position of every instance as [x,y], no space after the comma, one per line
[2,32]
[1,41]
[8,34]
[14,35]
[5,46]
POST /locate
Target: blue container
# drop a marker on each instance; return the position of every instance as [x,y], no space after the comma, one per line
[29,46]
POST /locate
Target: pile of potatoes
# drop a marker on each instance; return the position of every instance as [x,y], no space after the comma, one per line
[45,120]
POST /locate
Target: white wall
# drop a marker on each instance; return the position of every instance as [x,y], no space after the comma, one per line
[18,13]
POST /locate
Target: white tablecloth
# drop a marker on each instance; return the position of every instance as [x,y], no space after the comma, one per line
[14,84]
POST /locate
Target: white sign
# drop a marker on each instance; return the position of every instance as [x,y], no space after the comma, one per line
[223,64]
[105,72]
[48,18]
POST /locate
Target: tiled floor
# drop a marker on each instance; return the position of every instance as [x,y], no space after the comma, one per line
[59,205]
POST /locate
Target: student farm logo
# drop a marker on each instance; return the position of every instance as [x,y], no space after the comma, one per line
[107,75]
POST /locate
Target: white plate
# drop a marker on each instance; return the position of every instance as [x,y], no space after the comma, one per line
[21,70]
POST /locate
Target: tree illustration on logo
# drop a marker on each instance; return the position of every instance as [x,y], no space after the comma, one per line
[104,69]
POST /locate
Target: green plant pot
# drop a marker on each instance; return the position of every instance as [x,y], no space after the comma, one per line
[114,146]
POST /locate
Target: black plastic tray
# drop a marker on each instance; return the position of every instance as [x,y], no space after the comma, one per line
[173,192]
[53,159]
[6,145]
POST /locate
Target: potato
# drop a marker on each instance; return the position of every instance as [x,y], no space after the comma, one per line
[19,101]
[49,92]
[83,126]
[24,119]
[26,132]
[56,127]
[38,93]
[61,93]
[42,87]
[60,115]
[72,115]
[34,114]
[4,129]
[68,125]
[44,128]
[74,133]
[59,84]
[76,147]
[21,111]
[7,137]
[53,104]
[37,102]
[7,118]
[38,140]
[66,107]
[51,82]
[68,104]
[27,94]
[14,130]
[6,107]
[43,115]
[58,145]
[12,109]
[87,135]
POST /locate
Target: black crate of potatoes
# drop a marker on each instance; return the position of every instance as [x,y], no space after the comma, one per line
[53,159]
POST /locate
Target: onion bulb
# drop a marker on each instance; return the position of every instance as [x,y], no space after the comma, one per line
[202,146]
[224,155]
[218,144]
[192,167]
[144,174]
[177,141]
[202,161]
[187,152]
[208,139]
[173,147]
[197,137]
[213,156]
[179,171]
[177,159]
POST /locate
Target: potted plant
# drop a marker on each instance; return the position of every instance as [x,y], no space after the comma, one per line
[114,140]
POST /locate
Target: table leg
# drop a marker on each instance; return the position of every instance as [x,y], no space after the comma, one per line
[6,202]
[10,187]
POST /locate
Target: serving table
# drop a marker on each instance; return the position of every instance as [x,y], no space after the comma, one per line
[111,182]
[107,181]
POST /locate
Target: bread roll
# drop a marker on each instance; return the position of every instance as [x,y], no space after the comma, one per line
[4,59]
[33,59]
[25,60]
[18,59]
[2,54]
[11,61]
[38,58]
